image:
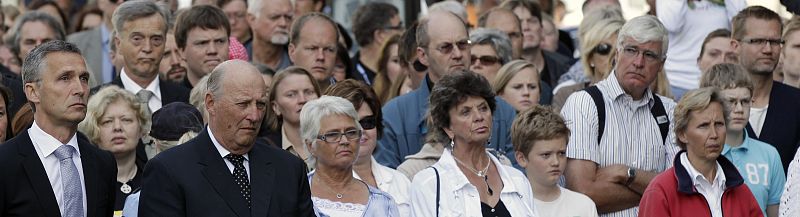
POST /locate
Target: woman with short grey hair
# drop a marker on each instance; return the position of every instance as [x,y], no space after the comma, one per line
[331,132]
[491,49]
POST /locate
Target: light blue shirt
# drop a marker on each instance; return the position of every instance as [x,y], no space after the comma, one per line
[380,203]
[761,168]
[131,208]
[108,66]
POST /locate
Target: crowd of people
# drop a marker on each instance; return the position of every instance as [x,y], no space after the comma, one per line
[271,108]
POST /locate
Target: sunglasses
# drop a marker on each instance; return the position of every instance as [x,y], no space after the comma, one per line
[368,122]
[485,60]
[602,49]
[447,48]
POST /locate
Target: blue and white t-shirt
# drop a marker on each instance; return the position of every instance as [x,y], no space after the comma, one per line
[760,165]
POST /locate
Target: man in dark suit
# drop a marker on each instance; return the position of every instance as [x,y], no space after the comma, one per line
[141,28]
[50,169]
[225,171]
[774,118]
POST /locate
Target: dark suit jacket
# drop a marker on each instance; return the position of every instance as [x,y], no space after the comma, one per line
[782,124]
[26,191]
[193,180]
[170,92]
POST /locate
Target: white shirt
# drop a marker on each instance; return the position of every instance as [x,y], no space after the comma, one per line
[711,190]
[757,117]
[393,182]
[631,135]
[568,204]
[791,193]
[155,102]
[45,146]
[460,198]
[224,152]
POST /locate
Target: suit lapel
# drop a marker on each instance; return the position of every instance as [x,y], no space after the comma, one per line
[262,179]
[37,176]
[218,174]
[90,177]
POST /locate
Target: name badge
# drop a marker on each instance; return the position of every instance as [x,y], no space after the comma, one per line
[662,119]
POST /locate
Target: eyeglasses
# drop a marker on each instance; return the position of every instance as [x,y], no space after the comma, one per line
[334,137]
[485,60]
[732,102]
[447,48]
[649,56]
[763,41]
[368,122]
[602,49]
[399,26]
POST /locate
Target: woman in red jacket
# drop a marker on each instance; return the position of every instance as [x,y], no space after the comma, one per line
[701,182]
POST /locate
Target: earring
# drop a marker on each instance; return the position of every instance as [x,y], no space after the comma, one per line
[452,143]
[591,65]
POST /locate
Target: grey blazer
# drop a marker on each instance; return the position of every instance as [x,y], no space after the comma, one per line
[90,43]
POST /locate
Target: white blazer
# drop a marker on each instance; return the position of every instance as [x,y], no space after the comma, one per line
[393,182]
[460,198]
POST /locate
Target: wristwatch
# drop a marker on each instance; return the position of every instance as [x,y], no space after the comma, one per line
[631,176]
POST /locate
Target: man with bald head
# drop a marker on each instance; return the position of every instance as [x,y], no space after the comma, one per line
[225,171]
[506,21]
[444,47]
[312,46]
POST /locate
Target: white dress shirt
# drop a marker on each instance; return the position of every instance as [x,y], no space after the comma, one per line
[155,102]
[393,182]
[460,198]
[224,152]
[45,146]
[711,190]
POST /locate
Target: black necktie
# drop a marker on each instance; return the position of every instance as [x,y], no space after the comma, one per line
[240,176]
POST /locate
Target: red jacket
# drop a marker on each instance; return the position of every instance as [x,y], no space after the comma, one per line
[672,193]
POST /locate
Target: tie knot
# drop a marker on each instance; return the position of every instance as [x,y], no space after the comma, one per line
[64,152]
[235,158]
[144,95]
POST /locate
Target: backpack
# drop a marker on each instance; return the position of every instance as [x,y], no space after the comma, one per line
[657,110]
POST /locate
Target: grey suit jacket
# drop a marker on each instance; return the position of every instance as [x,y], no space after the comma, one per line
[90,43]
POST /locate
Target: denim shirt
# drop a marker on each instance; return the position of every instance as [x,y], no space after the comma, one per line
[457,197]
[380,203]
[405,128]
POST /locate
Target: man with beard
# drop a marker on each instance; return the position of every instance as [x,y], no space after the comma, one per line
[270,20]
[773,115]
[201,34]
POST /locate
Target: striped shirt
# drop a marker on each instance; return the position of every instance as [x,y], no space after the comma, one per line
[631,135]
[791,192]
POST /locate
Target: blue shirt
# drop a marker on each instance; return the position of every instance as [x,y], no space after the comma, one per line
[762,170]
[380,203]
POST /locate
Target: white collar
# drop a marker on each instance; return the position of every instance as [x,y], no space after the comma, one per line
[379,172]
[222,151]
[719,177]
[458,180]
[134,88]
[48,144]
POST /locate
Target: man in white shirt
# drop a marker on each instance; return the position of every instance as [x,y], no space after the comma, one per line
[141,28]
[51,169]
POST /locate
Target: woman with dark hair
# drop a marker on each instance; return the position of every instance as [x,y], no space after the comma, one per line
[343,68]
[461,106]
[366,168]
[87,19]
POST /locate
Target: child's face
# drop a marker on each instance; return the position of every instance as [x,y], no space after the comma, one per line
[546,161]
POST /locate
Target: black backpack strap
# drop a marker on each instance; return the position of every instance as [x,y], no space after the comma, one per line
[437,190]
[597,97]
[661,117]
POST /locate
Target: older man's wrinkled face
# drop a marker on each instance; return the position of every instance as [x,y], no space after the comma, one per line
[638,65]
[32,34]
[141,44]
[507,22]
[235,114]
[449,47]
[273,21]
[760,47]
